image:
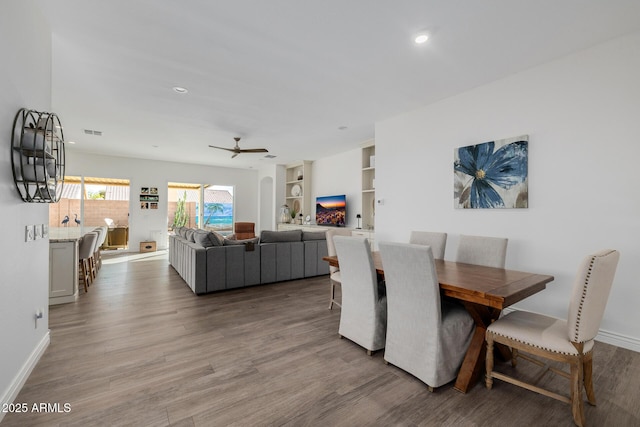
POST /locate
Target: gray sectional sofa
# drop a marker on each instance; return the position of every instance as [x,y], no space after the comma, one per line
[209,262]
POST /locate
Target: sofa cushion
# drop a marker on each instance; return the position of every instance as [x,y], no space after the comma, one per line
[208,238]
[268,236]
[188,235]
[314,235]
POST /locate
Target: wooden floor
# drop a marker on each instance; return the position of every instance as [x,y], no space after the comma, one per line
[141,349]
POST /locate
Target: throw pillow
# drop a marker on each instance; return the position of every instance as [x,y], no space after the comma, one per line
[188,235]
[208,238]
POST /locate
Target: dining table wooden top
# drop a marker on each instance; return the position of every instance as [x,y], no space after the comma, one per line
[489,286]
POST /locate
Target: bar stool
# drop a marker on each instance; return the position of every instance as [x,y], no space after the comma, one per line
[85,255]
[97,254]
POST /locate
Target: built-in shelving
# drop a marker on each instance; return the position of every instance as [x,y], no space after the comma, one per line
[368,185]
[298,187]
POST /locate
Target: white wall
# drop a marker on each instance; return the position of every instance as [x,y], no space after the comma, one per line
[339,174]
[25,81]
[582,115]
[272,184]
[151,173]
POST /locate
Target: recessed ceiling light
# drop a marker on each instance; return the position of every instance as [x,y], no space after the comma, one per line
[179,89]
[70,142]
[421,38]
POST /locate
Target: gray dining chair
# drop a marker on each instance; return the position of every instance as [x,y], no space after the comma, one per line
[334,272]
[481,250]
[437,241]
[426,336]
[568,341]
[363,316]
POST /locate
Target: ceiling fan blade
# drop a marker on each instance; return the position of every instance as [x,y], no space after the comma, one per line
[237,150]
[254,150]
[223,148]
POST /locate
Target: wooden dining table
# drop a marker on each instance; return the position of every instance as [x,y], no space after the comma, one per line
[484,292]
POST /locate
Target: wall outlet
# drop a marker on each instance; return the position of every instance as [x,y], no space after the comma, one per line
[28,233]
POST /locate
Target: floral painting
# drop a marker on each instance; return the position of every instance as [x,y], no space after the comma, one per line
[492,174]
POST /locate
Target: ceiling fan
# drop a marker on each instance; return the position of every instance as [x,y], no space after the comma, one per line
[237,150]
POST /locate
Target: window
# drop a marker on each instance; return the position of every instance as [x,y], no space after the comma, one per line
[218,209]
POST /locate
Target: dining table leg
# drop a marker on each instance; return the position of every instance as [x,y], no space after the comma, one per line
[473,363]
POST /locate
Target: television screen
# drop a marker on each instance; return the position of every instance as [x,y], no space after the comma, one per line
[331,210]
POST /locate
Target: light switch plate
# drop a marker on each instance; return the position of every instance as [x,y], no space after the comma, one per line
[28,233]
[45,231]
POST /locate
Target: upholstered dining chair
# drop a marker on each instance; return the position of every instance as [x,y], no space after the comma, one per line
[363,317]
[334,272]
[569,341]
[437,241]
[244,230]
[85,253]
[426,336]
[481,250]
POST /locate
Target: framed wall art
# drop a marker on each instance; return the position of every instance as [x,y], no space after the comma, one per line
[492,175]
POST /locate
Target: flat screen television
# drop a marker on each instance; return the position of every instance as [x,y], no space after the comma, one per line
[331,210]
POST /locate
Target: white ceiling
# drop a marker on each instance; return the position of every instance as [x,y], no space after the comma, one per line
[286,74]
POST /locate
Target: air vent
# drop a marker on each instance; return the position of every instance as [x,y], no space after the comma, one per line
[93,132]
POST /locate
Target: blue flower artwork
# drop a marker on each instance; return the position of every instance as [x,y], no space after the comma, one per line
[492,174]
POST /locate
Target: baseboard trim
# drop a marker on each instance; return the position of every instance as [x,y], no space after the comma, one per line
[18,382]
[619,340]
[608,337]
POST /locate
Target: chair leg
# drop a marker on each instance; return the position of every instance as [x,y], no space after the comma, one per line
[92,267]
[332,295]
[98,256]
[489,362]
[83,275]
[514,357]
[577,382]
[332,291]
[87,269]
[587,366]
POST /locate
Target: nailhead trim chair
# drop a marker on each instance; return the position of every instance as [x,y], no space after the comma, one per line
[569,341]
